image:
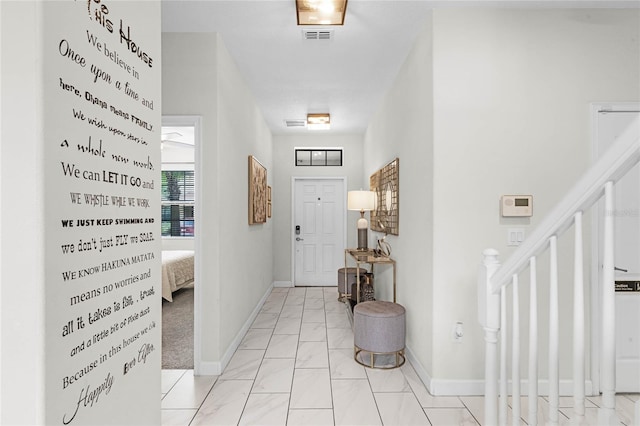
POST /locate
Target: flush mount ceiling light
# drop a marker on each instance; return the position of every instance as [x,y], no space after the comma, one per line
[321,12]
[318,121]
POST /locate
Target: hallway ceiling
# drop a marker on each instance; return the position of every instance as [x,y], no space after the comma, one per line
[346,76]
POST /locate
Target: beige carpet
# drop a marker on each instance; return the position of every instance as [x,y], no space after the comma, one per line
[177,331]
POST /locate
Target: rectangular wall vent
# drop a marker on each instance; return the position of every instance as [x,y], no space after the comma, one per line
[312,34]
[295,123]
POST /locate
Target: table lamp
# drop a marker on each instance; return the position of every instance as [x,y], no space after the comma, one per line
[362,201]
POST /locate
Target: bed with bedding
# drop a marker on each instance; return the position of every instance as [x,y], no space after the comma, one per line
[177,271]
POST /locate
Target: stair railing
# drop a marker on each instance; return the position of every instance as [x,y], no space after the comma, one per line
[494,279]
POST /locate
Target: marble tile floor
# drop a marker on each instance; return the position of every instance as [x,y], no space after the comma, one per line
[295,367]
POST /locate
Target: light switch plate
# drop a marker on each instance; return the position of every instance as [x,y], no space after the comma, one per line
[515,236]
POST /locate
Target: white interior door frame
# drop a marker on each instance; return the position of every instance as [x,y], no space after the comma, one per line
[596,109]
[196,122]
[292,234]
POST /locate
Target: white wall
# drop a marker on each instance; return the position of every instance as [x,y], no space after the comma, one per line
[284,157]
[510,111]
[208,84]
[246,259]
[22,306]
[403,128]
[178,243]
[189,87]
[525,110]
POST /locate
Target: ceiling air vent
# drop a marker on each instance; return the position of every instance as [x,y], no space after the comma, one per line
[312,34]
[296,123]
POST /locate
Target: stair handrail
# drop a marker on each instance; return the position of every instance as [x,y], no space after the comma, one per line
[621,157]
[598,182]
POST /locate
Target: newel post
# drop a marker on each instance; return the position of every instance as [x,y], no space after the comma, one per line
[489,318]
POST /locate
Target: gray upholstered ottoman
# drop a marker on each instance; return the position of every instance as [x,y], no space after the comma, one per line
[379,329]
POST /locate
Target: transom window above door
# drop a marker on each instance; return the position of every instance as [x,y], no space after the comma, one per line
[319,157]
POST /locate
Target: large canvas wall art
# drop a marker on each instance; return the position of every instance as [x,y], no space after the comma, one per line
[257,192]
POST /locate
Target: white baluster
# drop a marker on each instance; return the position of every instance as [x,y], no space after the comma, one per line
[489,318]
[515,353]
[554,378]
[503,404]
[608,367]
[533,343]
[578,319]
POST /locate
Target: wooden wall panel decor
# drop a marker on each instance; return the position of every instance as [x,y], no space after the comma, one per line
[257,192]
[386,184]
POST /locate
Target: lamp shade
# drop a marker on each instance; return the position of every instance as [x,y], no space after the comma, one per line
[361,200]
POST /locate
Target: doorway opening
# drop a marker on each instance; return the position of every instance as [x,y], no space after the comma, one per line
[608,122]
[181,189]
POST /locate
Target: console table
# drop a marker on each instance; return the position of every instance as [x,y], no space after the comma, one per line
[361,257]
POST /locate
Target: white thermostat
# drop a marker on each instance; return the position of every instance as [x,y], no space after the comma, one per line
[516,205]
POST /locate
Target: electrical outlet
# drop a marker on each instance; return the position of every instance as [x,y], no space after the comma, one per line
[458,332]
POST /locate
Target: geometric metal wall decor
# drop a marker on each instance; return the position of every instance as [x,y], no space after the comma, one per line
[386,184]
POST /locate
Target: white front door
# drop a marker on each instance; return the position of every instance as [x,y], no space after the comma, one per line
[318,237]
[627,253]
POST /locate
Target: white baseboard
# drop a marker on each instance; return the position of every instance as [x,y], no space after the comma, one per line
[448,387]
[565,387]
[444,387]
[284,284]
[217,367]
[243,331]
[209,369]
[420,371]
